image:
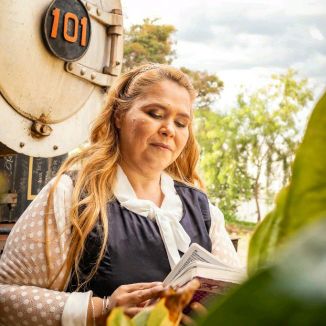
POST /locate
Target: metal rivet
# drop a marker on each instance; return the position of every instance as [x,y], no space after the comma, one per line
[98,12]
[88,6]
[93,76]
[83,71]
[21,144]
[55,147]
[70,66]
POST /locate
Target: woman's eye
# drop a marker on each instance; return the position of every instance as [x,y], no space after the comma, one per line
[180,124]
[155,115]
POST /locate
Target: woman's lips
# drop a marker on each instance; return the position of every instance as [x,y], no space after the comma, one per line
[162,146]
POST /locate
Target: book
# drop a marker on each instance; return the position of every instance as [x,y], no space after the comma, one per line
[215,277]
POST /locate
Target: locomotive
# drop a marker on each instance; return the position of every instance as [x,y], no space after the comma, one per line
[57,61]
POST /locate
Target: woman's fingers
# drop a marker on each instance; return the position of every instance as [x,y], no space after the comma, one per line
[186,320]
[144,303]
[135,294]
[199,309]
[139,296]
[140,286]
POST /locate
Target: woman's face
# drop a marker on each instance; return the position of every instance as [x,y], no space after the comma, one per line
[154,130]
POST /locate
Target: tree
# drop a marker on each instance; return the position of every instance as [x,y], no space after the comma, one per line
[152,42]
[148,42]
[208,86]
[254,142]
[222,164]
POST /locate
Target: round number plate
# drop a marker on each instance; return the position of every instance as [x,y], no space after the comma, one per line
[67,29]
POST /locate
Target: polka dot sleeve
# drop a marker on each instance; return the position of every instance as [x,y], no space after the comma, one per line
[222,246]
[25,297]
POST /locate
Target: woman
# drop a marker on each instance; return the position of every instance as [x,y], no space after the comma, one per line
[117,224]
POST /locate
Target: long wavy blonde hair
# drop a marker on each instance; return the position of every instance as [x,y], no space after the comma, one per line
[98,165]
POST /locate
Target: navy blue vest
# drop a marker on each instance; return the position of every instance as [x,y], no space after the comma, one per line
[135,251]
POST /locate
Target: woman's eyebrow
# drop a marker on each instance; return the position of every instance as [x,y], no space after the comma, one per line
[163,107]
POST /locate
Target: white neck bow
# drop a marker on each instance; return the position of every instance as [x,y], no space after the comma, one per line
[167,217]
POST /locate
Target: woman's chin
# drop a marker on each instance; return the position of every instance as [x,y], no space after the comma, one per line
[156,164]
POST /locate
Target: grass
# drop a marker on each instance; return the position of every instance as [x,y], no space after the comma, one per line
[239,227]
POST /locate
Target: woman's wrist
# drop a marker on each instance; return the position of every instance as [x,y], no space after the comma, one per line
[106,308]
[94,314]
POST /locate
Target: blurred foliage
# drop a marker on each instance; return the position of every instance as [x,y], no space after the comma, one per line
[291,292]
[245,148]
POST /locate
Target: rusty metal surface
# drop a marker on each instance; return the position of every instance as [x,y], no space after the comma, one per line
[4,150]
[91,75]
[113,18]
[9,198]
[39,129]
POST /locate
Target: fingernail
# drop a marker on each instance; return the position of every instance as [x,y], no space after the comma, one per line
[194,305]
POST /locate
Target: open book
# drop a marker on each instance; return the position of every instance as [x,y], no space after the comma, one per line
[215,277]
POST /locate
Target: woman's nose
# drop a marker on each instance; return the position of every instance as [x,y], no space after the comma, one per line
[167,129]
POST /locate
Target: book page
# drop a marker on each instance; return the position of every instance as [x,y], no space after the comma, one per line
[194,253]
[210,271]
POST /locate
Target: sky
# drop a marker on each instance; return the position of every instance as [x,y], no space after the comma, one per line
[243,42]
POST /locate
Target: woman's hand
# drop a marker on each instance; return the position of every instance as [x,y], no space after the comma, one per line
[134,296]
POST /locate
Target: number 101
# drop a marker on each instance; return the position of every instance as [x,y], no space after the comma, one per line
[70,38]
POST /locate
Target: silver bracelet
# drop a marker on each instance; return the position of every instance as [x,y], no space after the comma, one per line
[105,305]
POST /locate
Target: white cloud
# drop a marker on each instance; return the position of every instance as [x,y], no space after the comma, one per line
[316,34]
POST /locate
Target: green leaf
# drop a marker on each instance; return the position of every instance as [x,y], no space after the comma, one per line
[265,238]
[303,202]
[118,318]
[141,318]
[159,315]
[290,292]
[307,194]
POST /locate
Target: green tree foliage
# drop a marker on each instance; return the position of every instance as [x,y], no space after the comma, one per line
[208,86]
[222,163]
[148,42]
[245,147]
